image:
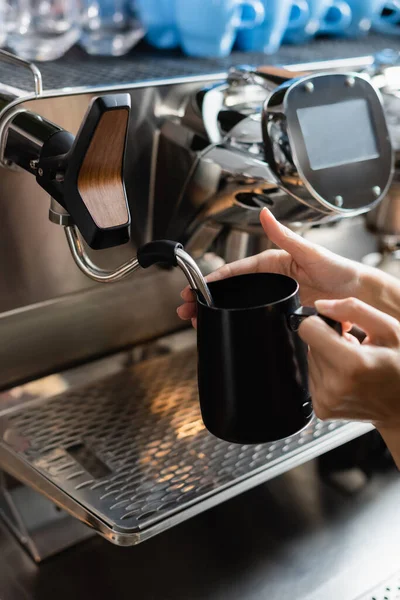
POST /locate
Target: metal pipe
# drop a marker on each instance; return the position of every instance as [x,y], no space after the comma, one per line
[21,62]
[89,268]
[193,274]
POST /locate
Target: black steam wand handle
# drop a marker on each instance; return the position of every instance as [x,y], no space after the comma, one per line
[172,254]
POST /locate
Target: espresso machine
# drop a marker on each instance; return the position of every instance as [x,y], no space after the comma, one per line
[92,438]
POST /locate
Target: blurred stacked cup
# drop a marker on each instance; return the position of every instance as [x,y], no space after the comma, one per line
[46,29]
[41,29]
[159,20]
[363,14]
[109,27]
[350,19]
[325,16]
[387,19]
[208,28]
[279,16]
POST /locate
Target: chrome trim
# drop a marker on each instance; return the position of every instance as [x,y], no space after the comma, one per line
[193,274]
[89,268]
[58,215]
[16,60]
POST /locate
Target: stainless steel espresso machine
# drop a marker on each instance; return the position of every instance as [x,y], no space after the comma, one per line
[92,438]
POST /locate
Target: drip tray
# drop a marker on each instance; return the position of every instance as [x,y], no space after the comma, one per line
[130,457]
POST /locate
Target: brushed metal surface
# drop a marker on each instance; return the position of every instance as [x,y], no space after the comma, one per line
[148,462]
[54,334]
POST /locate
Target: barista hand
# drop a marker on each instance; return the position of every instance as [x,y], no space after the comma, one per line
[355,381]
[320,273]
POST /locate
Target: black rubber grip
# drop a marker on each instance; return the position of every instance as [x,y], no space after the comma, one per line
[160,252]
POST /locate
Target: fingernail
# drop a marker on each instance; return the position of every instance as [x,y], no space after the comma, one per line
[180,315]
[184,294]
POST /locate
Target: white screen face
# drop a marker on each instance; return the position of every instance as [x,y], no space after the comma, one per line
[338,134]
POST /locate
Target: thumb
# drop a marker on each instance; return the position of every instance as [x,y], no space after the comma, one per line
[286,239]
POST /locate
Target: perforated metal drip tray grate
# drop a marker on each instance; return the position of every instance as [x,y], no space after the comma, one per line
[130,456]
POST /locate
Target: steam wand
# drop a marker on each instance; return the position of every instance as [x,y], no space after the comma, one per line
[159,252]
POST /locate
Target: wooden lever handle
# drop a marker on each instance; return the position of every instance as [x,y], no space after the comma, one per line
[94,193]
[100,182]
[281,72]
[279,75]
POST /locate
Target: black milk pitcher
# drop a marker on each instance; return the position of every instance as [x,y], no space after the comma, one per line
[252,364]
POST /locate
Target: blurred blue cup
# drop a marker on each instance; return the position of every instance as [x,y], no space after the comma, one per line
[364,12]
[387,19]
[326,16]
[279,15]
[208,28]
[158,17]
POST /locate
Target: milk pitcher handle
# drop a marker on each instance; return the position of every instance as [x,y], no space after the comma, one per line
[296,319]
